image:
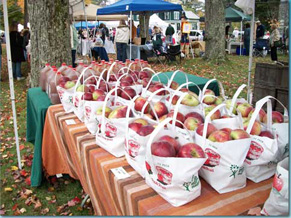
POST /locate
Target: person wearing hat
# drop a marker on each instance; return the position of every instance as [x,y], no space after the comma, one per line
[235,32]
[274,42]
[260,32]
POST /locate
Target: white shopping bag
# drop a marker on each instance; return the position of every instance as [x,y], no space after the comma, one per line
[278,202]
[66,97]
[223,169]
[109,47]
[135,145]
[174,179]
[111,136]
[263,155]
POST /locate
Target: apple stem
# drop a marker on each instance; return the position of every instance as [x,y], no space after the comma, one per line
[279,176]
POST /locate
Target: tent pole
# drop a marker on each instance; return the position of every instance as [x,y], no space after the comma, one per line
[130,34]
[11,84]
[95,28]
[249,98]
[240,38]
[88,41]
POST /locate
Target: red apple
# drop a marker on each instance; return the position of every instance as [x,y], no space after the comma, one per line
[180,117]
[145,82]
[101,98]
[219,100]
[97,93]
[91,88]
[195,115]
[139,103]
[149,116]
[160,109]
[209,99]
[174,99]
[256,129]
[125,84]
[82,88]
[244,109]
[239,134]
[87,96]
[144,75]
[64,79]
[119,112]
[210,129]
[156,87]
[130,93]
[226,130]
[192,123]
[277,117]
[191,150]
[267,134]
[145,130]
[225,116]
[219,136]
[172,141]
[135,126]
[215,116]
[141,121]
[174,85]
[69,84]
[163,149]
[262,113]
[107,111]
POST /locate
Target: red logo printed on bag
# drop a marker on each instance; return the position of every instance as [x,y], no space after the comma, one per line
[61,93]
[133,148]
[87,112]
[255,151]
[164,176]
[213,158]
[76,101]
[110,130]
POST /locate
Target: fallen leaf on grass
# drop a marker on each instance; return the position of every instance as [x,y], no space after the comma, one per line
[27,181]
[37,204]
[21,147]
[48,198]
[25,193]
[22,210]
[65,213]
[23,173]
[8,189]
[44,211]
[51,189]
[61,208]
[13,168]
[17,212]
[14,207]
[73,202]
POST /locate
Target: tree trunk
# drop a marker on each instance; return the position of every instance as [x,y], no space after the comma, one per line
[144,20]
[214,30]
[50,35]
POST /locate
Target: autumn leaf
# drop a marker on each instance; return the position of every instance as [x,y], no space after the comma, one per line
[8,189]
[14,207]
[37,204]
[13,168]
[44,211]
[22,210]
[21,147]
[27,181]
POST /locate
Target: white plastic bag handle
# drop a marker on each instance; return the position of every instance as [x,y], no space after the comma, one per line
[208,119]
[234,99]
[206,85]
[151,79]
[109,71]
[154,134]
[222,91]
[259,106]
[78,82]
[173,76]
[181,86]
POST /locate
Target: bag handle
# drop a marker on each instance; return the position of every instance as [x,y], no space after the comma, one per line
[173,76]
[208,119]
[181,86]
[151,79]
[105,104]
[78,82]
[222,91]
[109,71]
[206,85]
[234,99]
[259,106]
[149,69]
[155,133]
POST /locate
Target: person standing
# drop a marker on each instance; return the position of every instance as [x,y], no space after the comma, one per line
[247,36]
[260,32]
[274,42]
[121,40]
[17,53]
[169,33]
[74,43]
[133,30]
[185,37]
[104,32]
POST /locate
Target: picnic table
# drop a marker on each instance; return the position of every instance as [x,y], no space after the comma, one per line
[91,164]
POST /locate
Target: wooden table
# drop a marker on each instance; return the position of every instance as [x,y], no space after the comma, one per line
[74,151]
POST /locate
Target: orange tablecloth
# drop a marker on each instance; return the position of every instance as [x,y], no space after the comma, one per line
[84,160]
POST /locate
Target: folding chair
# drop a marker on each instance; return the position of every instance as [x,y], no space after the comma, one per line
[173,51]
[261,48]
[158,54]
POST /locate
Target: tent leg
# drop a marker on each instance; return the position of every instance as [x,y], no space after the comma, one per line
[240,38]
[249,98]
[95,28]
[11,84]
[88,41]
[130,35]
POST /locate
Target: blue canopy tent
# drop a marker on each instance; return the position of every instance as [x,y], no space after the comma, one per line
[84,24]
[130,7]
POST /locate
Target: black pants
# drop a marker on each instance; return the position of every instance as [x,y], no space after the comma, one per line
[274,53]
[121,51]
[73,58]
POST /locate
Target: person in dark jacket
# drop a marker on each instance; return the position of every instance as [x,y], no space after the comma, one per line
[247,35]
[104,32]
[17,53]
[260,32]
[169,33]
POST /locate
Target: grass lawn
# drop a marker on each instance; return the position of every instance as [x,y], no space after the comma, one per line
[55,196]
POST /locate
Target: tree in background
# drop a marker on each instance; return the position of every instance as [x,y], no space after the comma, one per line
[214,31]
[14,13]
[50,35]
